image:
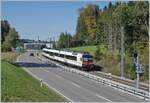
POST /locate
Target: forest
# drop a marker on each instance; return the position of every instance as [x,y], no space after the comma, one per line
[104,28]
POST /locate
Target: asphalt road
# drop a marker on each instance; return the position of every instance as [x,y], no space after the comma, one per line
[73,86]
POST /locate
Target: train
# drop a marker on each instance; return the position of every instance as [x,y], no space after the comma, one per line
[83,61]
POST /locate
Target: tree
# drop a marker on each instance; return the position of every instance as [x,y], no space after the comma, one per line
[65,40]
[87,24]
[5,26]
[10,36]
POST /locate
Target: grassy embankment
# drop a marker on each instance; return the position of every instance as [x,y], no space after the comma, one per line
[110,61]
[18,85]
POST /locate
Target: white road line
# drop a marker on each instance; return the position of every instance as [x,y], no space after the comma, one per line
[103,97]
[47,84]
[55,74]
[58,92]
[68,81]
[105,85]
[80,87]
[75,84]
[58,76]
[65,79]
[44,82]
[45,70]
[18,58]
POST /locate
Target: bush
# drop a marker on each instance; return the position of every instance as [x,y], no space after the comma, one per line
[98,54]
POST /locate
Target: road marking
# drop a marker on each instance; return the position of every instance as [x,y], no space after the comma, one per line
[48,85]
[40,67]
[89,91]
[58,76]
[58,92]
[46,70]
[65,79]
[18,58]
[81,87]
[103,97]
[75,84]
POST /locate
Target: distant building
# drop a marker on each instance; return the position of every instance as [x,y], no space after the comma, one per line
[35,46]
[27,41]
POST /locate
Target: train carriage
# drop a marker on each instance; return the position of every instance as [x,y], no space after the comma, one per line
[81,60]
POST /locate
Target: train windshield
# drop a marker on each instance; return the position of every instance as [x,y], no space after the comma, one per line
[87,58]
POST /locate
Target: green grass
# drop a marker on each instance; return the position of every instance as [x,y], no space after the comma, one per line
[110,61]
[90,49]
[18,85]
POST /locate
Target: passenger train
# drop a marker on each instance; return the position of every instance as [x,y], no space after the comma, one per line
[82,60]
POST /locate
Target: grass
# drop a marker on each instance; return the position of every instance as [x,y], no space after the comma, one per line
[90,49]
[110,61]
[9,56]
[18,86]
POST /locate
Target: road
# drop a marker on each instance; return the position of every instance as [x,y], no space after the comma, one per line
[74,87]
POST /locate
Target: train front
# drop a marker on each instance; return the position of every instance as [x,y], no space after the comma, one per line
[87,62]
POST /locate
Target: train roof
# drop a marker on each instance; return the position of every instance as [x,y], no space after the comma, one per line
[71,53]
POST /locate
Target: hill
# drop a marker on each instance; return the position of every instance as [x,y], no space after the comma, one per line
[110,61]
[19,86]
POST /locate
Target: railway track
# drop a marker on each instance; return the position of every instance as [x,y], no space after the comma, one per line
[113,78]
[117,79]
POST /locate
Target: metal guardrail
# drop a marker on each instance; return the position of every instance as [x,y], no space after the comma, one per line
[107,82]
[122,87]
[125,81]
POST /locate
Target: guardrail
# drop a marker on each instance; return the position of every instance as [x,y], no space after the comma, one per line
[113,76]
[107,82]
[125,81]
[122,87]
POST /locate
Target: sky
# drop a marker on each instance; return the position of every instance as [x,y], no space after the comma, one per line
[44,18]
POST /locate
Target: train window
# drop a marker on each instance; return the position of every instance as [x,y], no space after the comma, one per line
[56,54]
[62,55]
[46,52]
[71,57]
[87,58]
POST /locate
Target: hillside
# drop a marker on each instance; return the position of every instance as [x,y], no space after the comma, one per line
[110,61]
[19,86]
[90,49]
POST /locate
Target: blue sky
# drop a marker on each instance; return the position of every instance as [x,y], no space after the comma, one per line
[44,18]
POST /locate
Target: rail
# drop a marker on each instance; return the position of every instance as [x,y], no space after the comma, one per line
[126,81]
[122,87]
[119,86]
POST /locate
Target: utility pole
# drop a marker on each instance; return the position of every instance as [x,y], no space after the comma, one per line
[136,61]
[122,53]
[138,69]
[68,41]
[96,38]
[50,45]
[53,42]
[38,43]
